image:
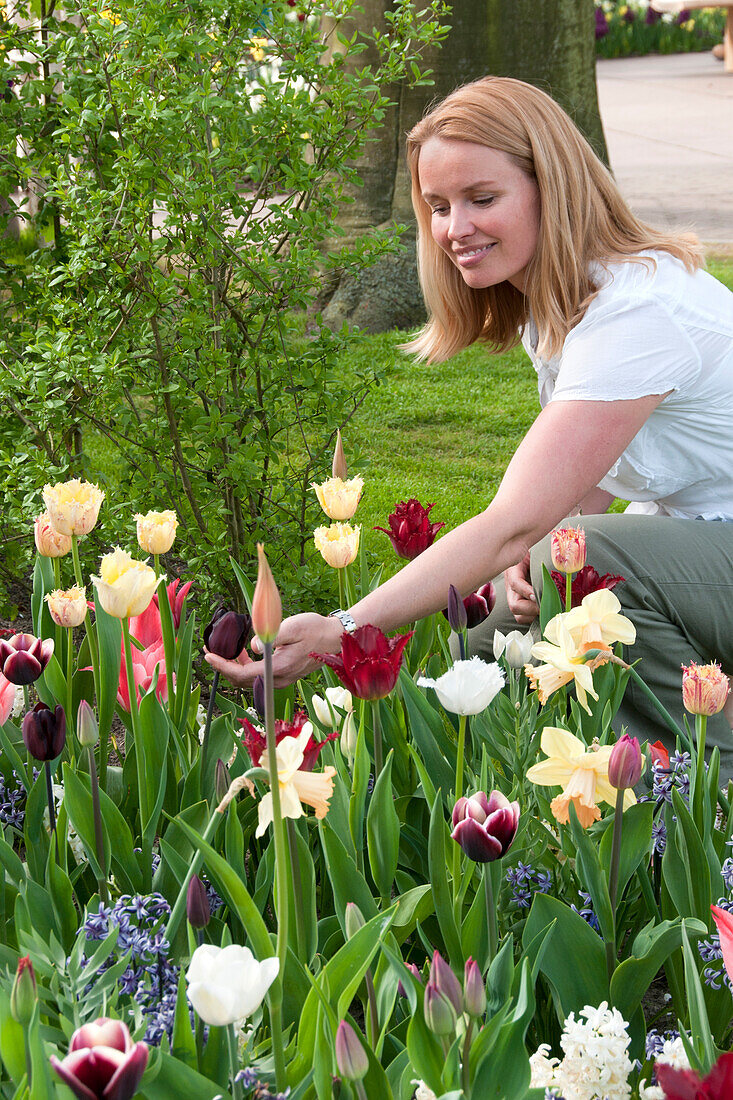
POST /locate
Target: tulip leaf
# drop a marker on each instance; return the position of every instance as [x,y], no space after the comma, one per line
[585,981]
[41,1086]
[591,875]
[62,900]
[183,1043]
[109,637]
[167,1076]
[14,760]
[503,1072]
[347,882]
[651,949]
[78,803]
[383,831]
[428,733]
[636,837]
[123,855]
[692,854]
[426,1053]
[55,683]
[154,731]
[12,1045]
[184,666]
[359,784]
[439,881]
[245,584]
[551,604]
[699,1024]
[15,869]
[43,582]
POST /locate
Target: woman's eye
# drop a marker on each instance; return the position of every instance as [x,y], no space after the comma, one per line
[439,210]
[485,201]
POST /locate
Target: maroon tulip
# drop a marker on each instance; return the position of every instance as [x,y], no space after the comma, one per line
[44,731]
[455,612]
[683,16]
[651,16]
[585,581]
[255,742]
[227,634]
[625,763]
[685,1084]
[478,606]
[485,827]
[369,663]
[24,657]
[410,529]
[103,1063]
[198,910]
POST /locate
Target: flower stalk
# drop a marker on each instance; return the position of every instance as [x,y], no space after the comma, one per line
[462,724]
[613,878]
[207,726]
[377,731]
[233,1063]
[51,808]
[134,719]
[491,907]
[166,626]
[91,632]
[98,835]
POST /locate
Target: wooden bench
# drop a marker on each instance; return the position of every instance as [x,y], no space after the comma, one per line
[678,5]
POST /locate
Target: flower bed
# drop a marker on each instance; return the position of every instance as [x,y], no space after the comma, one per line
[623,30]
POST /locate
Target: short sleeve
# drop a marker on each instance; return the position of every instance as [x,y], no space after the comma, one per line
[630,347]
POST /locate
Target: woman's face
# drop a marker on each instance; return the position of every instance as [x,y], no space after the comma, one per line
[485,210]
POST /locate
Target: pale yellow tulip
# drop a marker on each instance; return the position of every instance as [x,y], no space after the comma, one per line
[156,531]
[68,608]
[338,544]
[73,506]
[339,499]
[124,586]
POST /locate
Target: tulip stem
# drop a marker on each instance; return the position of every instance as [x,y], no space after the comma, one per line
[297,889]
[342,588]
[373,1017]
[167,628]
[51,809]
[377,731]
[491,910]
[57,628]
[462,725]
[360,1091]
[70,691]
[207,728]
[98,834]
[142,793]
[275,999]
[233,1061]
[613,878]
[568,591]
[701,723]
[465,1060]
[91,632]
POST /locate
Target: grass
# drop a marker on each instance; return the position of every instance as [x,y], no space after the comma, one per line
[442,433]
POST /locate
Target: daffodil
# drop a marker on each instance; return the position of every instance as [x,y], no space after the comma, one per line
[581,771]
[296,786]
[597,623]
[565,662]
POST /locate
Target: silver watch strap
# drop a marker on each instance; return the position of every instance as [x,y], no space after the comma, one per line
[344,618]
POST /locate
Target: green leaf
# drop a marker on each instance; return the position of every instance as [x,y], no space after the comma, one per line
[503,1073]
[183,1044]
[651,949]
[109,637]
[439,881]
[347,882]
[78,803]
[428,734]
[551,603]
[383,831]
[168,1077]
[62,899]
[699,1025]
[576,965]
[591,875]
[359,785]
[636,840]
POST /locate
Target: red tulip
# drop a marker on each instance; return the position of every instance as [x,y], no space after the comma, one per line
[255,743]
[44,731]
[659,754]
[146,628]
[24,657]
[485,827]
[585,581]
[103,1063]
[411,531]
[369,663]
[685,1084]
[724,922]
[7,699]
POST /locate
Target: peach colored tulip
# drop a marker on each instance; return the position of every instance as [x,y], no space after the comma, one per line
[156,531]
[338,544]
[68,607]
[73,506]
[49,542]
[705,688]
[266,606]
[567,546]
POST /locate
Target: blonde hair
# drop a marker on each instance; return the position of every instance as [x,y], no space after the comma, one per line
[583,218]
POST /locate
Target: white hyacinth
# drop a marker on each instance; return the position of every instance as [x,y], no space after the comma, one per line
[596,1065]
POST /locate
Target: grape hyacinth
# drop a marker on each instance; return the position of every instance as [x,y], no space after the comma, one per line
[526,882]
[12,801]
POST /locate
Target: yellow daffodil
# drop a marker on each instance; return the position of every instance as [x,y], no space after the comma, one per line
[296,787]
[338,544]
[124,586]
[339,498]
[565,662]
[597,623]
[73,506]
[68,608]
[581,771]
[156,531]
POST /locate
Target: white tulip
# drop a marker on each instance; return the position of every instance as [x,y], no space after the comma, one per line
[515,646]
[349,734]
[326,710]
[226,984]
[468,687]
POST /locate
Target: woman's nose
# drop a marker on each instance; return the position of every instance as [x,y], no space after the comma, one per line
[460,224]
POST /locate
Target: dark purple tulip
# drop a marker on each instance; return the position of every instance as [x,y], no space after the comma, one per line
[227,634]
[198,910]
[44,731]
[485,827]
[477,606]
[651,16]
[103,1063]
[683,16]
[445,980]
[629,15]
[455,613]
[258,695]
[601,24]
[24,657]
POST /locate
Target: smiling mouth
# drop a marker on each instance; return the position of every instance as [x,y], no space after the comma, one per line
[472,254]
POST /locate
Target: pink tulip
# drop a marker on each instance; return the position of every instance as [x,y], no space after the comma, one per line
[724,921]
[103,1063]
[143,669]
[7,698]
[146,627]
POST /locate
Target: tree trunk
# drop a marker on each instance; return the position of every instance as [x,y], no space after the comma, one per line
[549,43]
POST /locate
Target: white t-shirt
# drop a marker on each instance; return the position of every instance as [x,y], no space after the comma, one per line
[647,331]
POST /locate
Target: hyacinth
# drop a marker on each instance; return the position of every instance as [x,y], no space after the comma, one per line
[525,882]
[256,744]
[587,580]
[596,1064]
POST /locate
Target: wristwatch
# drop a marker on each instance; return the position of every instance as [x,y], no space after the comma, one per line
[345,618]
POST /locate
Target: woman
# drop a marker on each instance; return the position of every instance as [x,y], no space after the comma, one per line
[522,232]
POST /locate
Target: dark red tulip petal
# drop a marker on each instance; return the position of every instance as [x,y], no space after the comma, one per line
[369,662]
[478,845]
[679,1084]
[502,824]
[22,668]
[585,581]
[410,530]
[126,1081]
[719,1082]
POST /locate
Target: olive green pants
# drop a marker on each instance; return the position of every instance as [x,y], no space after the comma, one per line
[678,592]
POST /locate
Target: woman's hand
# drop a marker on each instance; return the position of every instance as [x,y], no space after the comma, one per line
[298,636]
[519,592]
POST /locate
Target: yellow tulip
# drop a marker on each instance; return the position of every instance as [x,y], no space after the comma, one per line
[124,586]
[69,607]
[581,771]
[156,531]
[339,499]
[338,544]
[49,542]
[73,506]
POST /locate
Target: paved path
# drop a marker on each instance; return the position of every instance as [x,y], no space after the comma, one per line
[668,121]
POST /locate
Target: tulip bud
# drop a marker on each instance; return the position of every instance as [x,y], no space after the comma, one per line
[227,634]
[474,990]
[87,729]
[625,763]
[457,617]
[567,547]
[705,688]
[440,1015]
[446,982]
[353,919]
[198,909]
[44,731]
[352,1060]
[24,994]
[266,606]
[258,695]
[222,780]
[415,973]
[338,466]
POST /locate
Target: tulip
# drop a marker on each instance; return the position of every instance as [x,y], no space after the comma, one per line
[226,984]
[477,606]
[415,973]
[337,698]
[485,827]
[455,612]
[337,544]
[124,586]
[339,499]
[255,743]
[514,647]
[410,530]
[222,779]
[440,1015]
[567,548]
[198,909]
[156,531]
[349,736]
[338,465]
[227,633]
[352,1061]
[49,542]
[146,628]
[369,662]
[587,580]
[267,611]
[446,982]
[258,696]
[582,772]
[474,990]
[144,665]
[659,754]
[87,729]
[685,1084]
[103,1063]
[44,731]
[353,919]
[295,784]
[73,506]
[705,688]
[24,993]
[24,657]
[68,608]
[7,699]
[625,763]
[468,687]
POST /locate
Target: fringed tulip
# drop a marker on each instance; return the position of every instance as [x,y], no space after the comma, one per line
[338,544]
[410,530]
[24,657]
[485,827]
[44,732]
[227,984]
[49,542]
[103,1063]
[124,586]
[339,499]
[587,580]
[705,688]
[267,611]
[68,607]
[467,687]
[567,548]
[369,662]
[73,506]
[156,531]
[255,743]
[228,633]
[581,771]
